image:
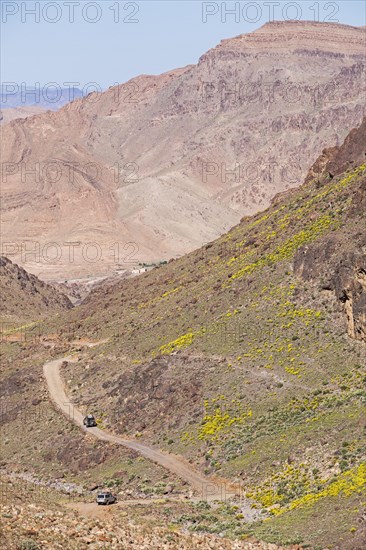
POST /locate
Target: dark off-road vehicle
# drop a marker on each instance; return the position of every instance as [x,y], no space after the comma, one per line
[89,421]
[106,498]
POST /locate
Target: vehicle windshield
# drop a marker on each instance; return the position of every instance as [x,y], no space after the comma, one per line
[102,495]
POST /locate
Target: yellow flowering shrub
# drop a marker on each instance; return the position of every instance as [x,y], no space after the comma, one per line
[217,419]
[280,487]
[183,341]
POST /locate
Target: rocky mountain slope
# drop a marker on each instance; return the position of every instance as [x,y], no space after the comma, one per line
[247,356]
[341,263]
[238,357]
[155,167]
[25,297]
[36,521]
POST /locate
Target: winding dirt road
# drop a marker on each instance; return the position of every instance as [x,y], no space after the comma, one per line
[207,488]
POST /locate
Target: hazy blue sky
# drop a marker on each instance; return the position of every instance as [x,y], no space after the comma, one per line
[165,34]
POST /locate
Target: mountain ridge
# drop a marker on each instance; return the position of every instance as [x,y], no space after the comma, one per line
[291,34]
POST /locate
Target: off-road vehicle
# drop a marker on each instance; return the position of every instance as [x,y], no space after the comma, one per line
[106,498]
[89,421]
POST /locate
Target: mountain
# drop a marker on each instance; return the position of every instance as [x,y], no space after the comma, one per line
[141,172]
[25,297]
[247,357]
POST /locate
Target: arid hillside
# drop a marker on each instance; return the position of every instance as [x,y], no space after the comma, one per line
[248,357]
[34,520]
[245,359]
[156,167]
[25,297]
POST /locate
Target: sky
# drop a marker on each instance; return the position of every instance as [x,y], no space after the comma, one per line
[110,41]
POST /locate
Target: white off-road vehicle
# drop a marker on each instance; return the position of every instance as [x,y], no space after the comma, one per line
[106,497]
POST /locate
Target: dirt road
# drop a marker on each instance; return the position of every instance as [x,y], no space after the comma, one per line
[92,510]
[205,487]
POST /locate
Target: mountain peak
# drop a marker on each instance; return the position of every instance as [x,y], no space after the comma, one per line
[293,23]
[282,36]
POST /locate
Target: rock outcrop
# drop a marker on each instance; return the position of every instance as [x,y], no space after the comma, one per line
[340,260]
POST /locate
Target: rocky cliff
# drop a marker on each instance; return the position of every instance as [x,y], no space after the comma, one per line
[340,260]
